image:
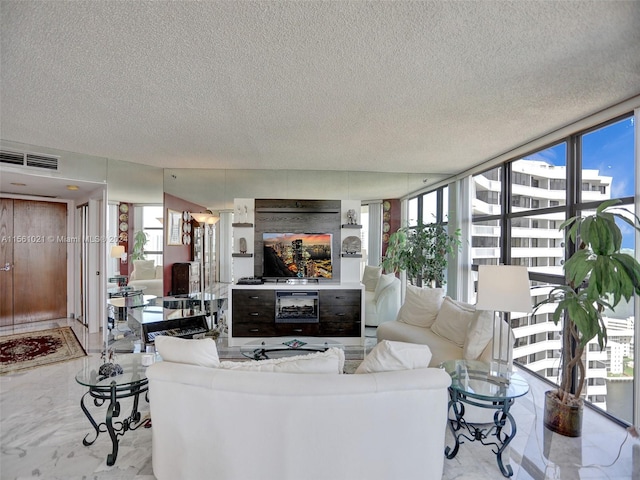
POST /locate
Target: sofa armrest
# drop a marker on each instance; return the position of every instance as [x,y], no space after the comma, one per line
[388,303]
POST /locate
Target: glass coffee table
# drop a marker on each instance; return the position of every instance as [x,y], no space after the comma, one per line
[132,382]
[261,349]
[482,385]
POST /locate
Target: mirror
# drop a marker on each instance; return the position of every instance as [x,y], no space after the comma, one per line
[216,189]
[197,190]
[135,206]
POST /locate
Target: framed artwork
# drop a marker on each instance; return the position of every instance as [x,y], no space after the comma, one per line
[174,227]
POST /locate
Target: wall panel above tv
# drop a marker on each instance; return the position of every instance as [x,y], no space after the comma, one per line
[297,216]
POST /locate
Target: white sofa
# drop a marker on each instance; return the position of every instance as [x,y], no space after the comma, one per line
[231,424]
[451,329]
[146,274]
[460,332]
[381,296]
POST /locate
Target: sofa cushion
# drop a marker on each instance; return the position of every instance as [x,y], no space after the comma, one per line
[201,352]
[441,349]
[421,306]
[453,320]
[370,277]
[383,282]
[144,269]
[329,361]
[388,356]
[159,271]
[479,334]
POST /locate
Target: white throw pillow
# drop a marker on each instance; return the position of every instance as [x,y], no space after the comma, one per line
[370,277]
[388,356]
[330,361]
[383,282]
[453,321]
[421,306]
[479,334]
[159,271]
[145,269]
[201,352]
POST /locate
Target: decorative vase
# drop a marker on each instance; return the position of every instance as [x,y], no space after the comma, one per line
[562,418]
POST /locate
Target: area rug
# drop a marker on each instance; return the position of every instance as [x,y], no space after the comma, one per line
[22,351]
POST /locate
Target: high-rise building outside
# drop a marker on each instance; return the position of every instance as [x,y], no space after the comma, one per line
[537,243]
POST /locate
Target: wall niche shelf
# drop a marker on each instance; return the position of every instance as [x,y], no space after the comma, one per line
[242,225]
[350,225]
[352,255]
[242,255]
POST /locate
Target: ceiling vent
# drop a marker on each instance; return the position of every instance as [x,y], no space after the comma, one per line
[42,161]
[29,160]
[11,158]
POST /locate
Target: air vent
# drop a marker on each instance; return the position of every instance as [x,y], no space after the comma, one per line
[29,160]
[41,161]
[11,158]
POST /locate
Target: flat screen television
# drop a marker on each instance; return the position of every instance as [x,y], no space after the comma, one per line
[297,255]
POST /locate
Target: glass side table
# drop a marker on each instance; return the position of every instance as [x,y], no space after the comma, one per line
[132,382]
[480,384]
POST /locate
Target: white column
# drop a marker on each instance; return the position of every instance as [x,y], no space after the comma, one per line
[636,383]
[375,234]
[225,245]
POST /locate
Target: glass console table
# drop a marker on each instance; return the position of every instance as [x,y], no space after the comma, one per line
[479,384]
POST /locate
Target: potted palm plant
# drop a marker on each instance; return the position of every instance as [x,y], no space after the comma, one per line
[422,252]
[598,276]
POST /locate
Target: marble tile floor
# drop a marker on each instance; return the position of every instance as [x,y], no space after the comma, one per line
[42,427]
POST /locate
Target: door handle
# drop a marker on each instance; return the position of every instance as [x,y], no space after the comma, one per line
[6,268]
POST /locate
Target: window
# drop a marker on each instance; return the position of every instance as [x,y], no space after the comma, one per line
[413,211]
[430,208]
[152,226]
[571,176]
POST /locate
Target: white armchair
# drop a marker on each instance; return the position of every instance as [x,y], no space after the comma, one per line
[146,274]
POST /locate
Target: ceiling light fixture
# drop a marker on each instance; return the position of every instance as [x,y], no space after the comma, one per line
[73,187]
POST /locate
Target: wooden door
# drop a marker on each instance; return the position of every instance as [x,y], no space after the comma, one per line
[6,262]
[38,279]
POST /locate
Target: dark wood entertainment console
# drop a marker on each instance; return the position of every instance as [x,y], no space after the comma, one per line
[253,313]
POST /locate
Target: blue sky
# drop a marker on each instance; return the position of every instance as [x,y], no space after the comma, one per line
[608,150]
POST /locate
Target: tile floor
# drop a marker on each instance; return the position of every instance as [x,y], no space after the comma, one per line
[42,427]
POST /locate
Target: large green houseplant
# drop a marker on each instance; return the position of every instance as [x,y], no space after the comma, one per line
[598,276]
[422,252]
[140,239]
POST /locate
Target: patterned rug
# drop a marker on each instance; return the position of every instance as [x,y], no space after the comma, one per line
[23,351]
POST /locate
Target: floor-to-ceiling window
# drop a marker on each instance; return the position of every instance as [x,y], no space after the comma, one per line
[427,208]
[517,209]
[152,226]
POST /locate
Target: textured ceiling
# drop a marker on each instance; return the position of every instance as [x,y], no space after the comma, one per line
[432,87]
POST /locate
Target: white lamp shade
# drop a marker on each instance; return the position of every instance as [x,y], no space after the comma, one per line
[503,288]
[205,217]
[117,251]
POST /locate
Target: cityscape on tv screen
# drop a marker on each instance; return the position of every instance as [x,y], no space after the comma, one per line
[301,255]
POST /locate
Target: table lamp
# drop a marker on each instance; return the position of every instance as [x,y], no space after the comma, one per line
[503,288]
[117,251]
